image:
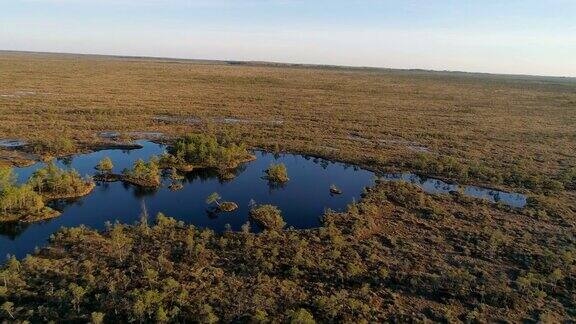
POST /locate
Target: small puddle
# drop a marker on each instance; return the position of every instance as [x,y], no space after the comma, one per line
[247,121]
[419,149]
[12,143]
[141,135]
[361,139]
[226,120]
[436,186]
[177,120]
[413,146]
[17,94]
[109,134]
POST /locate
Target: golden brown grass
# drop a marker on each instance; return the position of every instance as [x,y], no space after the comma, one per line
[379,118]
[465,114]
[398,254]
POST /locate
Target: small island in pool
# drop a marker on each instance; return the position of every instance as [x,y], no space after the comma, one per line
[26,203]
[143,174]
[277,173]
[189,153]
[197,151]
[225,206]
[53,183]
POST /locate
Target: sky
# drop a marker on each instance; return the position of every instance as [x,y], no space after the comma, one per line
[498,36]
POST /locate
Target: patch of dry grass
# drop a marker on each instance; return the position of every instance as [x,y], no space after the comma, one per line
[444,258]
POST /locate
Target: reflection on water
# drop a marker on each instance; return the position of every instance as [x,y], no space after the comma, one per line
[302,200]
[12,230]
[436,186]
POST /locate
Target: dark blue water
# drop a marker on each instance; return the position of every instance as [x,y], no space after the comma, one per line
[302,200]
[436,186]
[85,163]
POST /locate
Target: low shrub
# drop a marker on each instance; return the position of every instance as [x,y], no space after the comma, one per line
[53,181]
[20,200]
[207,151]
[105,165]
[268,217]
[277,173]
[55,146]
[146,172]
[519,176]
[17,200]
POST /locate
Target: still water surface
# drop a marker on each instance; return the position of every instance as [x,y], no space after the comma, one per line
[436,186]
[302,200]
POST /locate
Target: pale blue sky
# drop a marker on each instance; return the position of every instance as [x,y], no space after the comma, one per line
[507,36]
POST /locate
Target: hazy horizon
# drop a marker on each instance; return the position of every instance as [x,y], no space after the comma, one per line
[516,37]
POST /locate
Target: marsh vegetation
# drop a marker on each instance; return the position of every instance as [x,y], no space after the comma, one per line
[360,258]
[145,174]
[225,206]
[54,145]
[105,165]
[53,182]
[26,202]
[397,255]
[199,151]
[267,216]
[20,203]
[277,173]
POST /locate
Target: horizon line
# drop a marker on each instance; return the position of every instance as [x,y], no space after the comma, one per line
[287,64]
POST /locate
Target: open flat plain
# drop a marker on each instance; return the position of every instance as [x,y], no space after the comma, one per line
[399,254]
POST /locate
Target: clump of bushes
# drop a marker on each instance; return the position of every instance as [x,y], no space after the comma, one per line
[268,216]
[17,202]
[143,173]
[20,200]
[543,207]
[7,177]
[53,182]
[206,151]
[518,176]
[530,179]
[176,180]
[277,173]
[105,166]
[568,178]
[405,195]
[55,146]
[226,206]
